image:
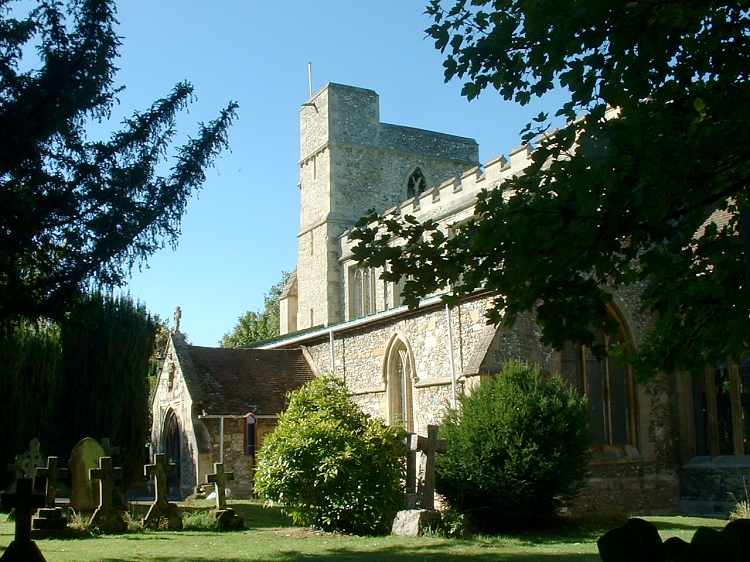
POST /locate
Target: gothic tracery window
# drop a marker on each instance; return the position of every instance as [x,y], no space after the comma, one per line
[399,375]
[416,183]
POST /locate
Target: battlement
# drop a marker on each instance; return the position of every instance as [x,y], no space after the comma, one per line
[457,193]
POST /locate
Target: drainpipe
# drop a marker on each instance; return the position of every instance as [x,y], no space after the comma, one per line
[332,354]
[221,439]
[451,357]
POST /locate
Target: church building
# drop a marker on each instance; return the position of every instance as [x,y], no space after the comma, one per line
[676,443]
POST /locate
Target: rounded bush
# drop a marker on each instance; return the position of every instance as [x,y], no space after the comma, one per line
[331,465]
[517,445]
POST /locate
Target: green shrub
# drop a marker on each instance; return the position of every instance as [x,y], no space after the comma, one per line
[516,446]
[330,465]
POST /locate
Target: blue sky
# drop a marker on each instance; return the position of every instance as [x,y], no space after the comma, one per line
[239,233]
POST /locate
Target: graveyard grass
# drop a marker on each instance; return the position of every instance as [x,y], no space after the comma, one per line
[272,538]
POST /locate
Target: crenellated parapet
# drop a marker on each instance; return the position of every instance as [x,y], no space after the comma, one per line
[453,200]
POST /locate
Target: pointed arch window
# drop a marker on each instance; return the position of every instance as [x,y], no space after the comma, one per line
[399,376]
[416,183]
[608,385]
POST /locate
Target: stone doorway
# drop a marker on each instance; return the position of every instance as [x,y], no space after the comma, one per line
[172,446]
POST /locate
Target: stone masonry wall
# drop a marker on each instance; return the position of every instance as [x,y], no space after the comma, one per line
[350,162]
[645,481]
[171,394]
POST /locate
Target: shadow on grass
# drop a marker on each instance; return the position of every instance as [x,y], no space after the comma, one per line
[432,553]
[677,526]
[255,515]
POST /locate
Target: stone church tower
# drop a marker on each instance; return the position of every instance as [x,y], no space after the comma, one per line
[351,162]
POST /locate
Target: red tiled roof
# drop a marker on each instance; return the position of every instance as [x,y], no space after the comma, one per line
[236,381]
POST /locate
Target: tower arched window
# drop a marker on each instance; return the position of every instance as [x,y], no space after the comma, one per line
[416,183]
[608,385]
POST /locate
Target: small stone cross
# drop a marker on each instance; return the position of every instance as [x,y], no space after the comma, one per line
[106,474]
[177,318]
[219,480]
[51,474]
[25,502]
[160,470]
[429,446]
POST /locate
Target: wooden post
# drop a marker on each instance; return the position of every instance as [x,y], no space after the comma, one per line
[713,415]
[738,437]
[685,406]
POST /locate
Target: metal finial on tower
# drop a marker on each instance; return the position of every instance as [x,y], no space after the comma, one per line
[309,78]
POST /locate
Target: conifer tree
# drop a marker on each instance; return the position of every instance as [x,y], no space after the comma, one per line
[75,210]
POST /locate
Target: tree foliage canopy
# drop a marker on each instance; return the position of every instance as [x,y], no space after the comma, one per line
[255,326]
[72,209]
[608,201]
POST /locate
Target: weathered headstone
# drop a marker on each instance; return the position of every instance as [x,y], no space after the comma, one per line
[420,492]
[161,514]
[24,501]
[25,464]
[50,518]
[107,518]
[225,517]
[84,496]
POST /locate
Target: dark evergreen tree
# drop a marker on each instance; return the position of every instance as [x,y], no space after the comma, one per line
[75,210]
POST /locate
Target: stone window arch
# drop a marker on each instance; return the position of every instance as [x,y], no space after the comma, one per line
[608,385]
[416,183]
[399,380]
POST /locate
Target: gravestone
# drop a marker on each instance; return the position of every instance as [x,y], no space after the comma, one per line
[226,518]
[107,518]
[162,514]
[24,501]
[118,495]
[50,518]
[25,464]
[84,496]
[420,492]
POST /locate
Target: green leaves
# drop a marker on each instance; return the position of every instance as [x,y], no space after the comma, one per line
[617,203]
[515,445]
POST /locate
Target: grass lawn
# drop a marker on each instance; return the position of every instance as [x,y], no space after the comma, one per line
[272,538]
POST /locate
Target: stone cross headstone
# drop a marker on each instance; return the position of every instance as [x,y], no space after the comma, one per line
[428,446]
[219,480]
[51,474]
[84,496]
[49,519]
[177,319]
[25,502]
[420,492]
[24,465]
[161,509]
[106,518]
[226,518]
